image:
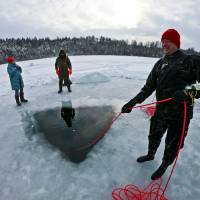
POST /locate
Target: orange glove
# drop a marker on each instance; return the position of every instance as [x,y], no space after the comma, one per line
[57,71]
[70,71]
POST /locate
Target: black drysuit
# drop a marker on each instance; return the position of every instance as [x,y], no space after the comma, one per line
[169,75]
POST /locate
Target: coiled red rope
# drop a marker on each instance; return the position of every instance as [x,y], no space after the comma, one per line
[132,192]
[154,190]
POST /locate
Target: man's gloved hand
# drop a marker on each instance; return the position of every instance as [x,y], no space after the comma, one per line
[127,108]
[179,96]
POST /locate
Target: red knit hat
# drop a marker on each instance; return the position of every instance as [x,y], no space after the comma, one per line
[172,35]
[10,59]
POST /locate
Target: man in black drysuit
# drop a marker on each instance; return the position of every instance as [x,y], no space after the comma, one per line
[169,78]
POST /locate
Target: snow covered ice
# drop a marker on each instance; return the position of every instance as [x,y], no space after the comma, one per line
[31,169]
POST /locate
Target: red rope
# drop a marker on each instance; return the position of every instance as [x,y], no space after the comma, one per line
[109,126]
[155,102]
[154,190]
[98,137]
[179,148]
[150,111]
[132,192]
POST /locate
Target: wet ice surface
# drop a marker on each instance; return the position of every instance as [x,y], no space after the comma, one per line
[74,135]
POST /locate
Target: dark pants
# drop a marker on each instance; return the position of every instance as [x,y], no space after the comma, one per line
[18,92]
[158,126]
[66,82]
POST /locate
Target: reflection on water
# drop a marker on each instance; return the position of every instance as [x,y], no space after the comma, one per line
[70,132]
[67,113]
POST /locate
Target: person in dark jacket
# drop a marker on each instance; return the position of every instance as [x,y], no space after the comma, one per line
[63,69]
[16,80]
[169,78]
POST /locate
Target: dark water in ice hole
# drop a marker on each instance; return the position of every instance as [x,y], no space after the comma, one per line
[70,133]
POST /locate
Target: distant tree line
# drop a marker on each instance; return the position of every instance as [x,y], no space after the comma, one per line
[34,48]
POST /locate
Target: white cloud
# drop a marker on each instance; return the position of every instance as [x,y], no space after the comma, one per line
[123,19]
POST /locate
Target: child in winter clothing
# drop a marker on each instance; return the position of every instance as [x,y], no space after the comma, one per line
[16,80]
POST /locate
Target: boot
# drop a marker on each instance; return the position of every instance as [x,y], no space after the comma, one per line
[160,171]
[148,157]
[69,88]
[22,98]
[17,100]
[145,158]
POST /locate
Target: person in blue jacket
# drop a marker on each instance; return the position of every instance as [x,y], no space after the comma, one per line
[16,80]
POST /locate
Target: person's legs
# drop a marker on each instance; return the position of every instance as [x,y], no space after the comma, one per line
[22,96]
[160,171]
[157,129]
[173,139]
[68,84]
[69,88]
[60,84]
[172,143]
[17,99]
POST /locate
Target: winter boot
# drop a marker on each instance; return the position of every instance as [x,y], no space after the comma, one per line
[69,88]
[160,171]
[17,100]
[148,157]
[22,98]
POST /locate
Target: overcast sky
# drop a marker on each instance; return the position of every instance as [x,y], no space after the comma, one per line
[142,20]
